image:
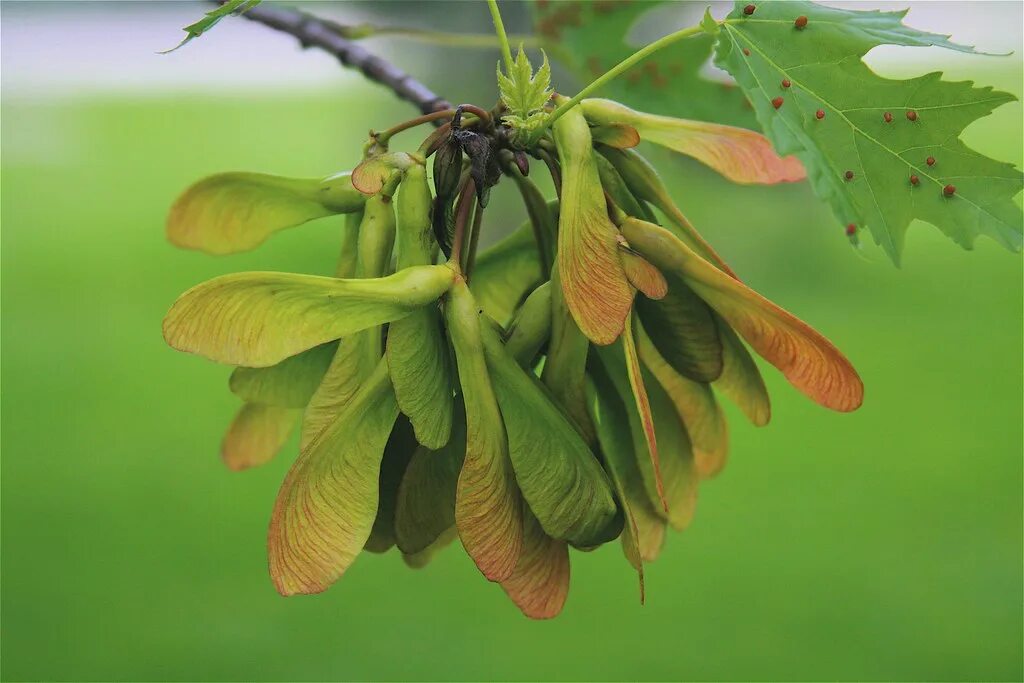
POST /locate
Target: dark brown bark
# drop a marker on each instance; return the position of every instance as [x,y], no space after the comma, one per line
[312,31]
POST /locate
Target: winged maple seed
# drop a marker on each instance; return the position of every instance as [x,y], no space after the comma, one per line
[557,391]
[560,389]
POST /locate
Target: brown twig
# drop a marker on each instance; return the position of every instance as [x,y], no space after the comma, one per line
[312,31]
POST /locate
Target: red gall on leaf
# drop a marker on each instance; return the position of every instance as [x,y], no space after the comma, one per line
[887,116]
[749,9]
[930,161]
[851,229]
[911,115]
[746,52]
[848,175]
[820,114]
[914,180]
[949,190]
[786,83]
[777,102]
[801,22]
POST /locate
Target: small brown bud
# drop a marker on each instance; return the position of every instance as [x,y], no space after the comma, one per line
[522,163]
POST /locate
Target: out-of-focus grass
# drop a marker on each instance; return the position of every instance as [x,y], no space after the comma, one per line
[885,544]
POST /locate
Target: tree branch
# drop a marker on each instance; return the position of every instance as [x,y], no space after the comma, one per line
[312,31]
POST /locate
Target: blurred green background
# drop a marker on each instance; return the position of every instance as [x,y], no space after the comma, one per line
[885,544]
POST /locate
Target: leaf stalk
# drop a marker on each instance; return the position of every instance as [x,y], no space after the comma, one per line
[499,29]
[617,70]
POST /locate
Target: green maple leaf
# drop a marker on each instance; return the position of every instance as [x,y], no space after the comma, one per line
[522,91]
[873,133]
[211,18]
[525,94]
[591,37]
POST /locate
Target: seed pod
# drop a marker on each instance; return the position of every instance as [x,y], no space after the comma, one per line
[617,135]
[565,366]
[887,116]
[417,353]
[557,473]
[777,102]
[258,433]
[820,114]
[416,245]
[371,175]
[801,22]
[337,193]
[683,329]
[326,507]
[397,453]
[642,275]
[695,404]
[448,168]
[644,532]
[644,182]
[447,176]
[376,237]
[216,214]
[806,358]
[288,384]
[506,272]
[421,374]
[616,188]
[425,506]
[530,328]
[594,284]
[254,304]
[911,115]
[488,509]
[949,190]
[737,153]
[375,246]
[349,366]
[848,175]
[665,458]
[541,218]
[930,161]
